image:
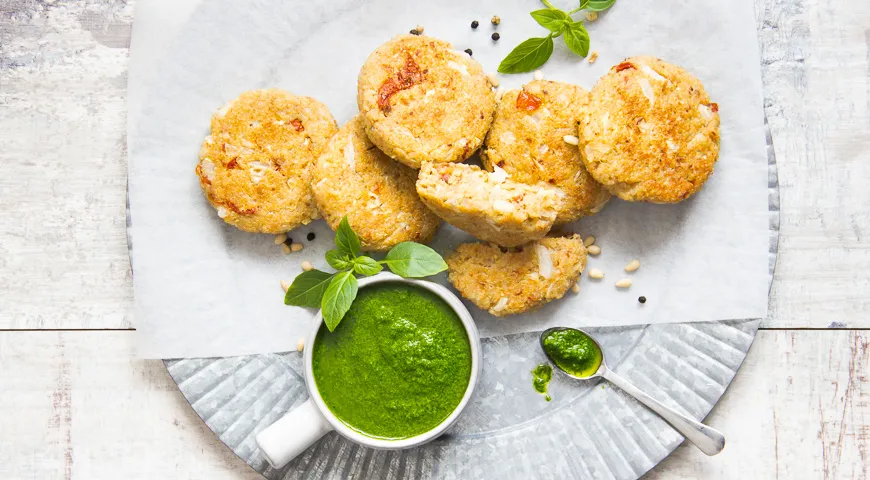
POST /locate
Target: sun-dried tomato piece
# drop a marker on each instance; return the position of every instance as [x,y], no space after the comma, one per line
[232,206]
[623,66]
[714,107]
[528,102]
[297,124]
[407,77]
[233,163]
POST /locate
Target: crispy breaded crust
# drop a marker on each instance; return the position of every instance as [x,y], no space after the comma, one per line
[486,204]
[423,101]
[527,140]
[505,283]
[255,165]
[353,178]
[651,132]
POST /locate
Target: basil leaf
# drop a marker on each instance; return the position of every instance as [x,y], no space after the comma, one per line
[346,239]
[338,260]
[599,5]
[583,4]
[553,20]
[577,39]
[307,289]
[367,266]
[527,56]
[338,298]
[410,259]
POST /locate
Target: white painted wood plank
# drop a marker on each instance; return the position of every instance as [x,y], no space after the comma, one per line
[78,405]
[63,250]
[799,408]
[816,71]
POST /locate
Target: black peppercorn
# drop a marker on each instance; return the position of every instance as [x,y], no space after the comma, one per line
[474,24]
[641,299]
[310,236]
[495,36]
[288,242]
[468,51]
[414,31]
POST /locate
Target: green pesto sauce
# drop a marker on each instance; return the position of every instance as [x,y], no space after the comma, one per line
[541,376]
[397,365]
[573,352]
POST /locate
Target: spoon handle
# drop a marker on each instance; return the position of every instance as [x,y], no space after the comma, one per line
[709,440]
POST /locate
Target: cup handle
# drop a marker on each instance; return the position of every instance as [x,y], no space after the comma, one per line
[292,434]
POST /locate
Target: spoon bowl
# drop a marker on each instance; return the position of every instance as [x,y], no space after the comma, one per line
[708,440]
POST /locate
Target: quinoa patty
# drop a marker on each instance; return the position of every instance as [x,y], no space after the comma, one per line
[487,204]
[505,283]
[353,178]
[527,140]
[650,132]
[423,101]
[255,165]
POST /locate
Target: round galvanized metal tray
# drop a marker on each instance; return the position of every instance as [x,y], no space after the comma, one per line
[589,430]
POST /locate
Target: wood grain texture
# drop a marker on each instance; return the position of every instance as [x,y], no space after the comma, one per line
[816,72]
[80,405]
[63,250]
[799,408]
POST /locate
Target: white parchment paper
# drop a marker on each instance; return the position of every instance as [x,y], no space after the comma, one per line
[206,289]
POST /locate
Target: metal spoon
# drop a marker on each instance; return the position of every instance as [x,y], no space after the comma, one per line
[709,440]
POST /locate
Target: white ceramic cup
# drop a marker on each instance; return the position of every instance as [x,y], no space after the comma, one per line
[299,428]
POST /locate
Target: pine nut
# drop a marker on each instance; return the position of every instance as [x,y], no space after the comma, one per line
[596,273]
[591,16]
[306,265]
[624,283]
[419,29]
[279,239]
[592,58]
[493,80]
[296,247]
[300,344]
[285,248]
[499,92]
[589,241]
[593,249]
[632,266]
[571,139]
[539,75]
[575,288]
[284,285]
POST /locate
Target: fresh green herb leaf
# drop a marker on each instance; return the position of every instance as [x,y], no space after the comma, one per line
[551,19]
[307,289]
[338,260]
[527,56]
[366,266]
[577,38]
[410,259]
[346,239]
[598,5]
[583,4]
[338,298]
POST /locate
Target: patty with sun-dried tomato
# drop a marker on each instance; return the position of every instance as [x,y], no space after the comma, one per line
[255,165]
[650,132]
[423,101]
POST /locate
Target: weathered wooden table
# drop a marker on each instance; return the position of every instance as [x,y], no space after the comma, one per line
[75,403]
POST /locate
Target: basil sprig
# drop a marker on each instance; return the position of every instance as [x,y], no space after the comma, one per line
[534,52]
[334,293]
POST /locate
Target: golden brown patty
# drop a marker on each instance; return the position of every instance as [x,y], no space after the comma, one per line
[353,178]
[527,140]
[651,132]
[423,101]
[487,204]
[505,283]
[255,165]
